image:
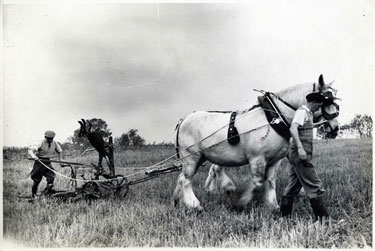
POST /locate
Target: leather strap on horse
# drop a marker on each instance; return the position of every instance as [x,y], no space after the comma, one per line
[233,137]
[177,129]
[274,116]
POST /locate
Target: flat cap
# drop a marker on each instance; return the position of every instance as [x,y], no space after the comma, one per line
[316,97]
[49,134]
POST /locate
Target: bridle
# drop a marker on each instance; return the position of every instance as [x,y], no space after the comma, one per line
[331,116]
[329,101]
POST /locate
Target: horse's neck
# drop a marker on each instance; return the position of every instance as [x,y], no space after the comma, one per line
[295,96]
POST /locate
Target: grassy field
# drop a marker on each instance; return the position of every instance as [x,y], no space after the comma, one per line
[146,217]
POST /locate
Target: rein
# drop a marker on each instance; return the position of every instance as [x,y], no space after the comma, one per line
[282,100]
[269,98]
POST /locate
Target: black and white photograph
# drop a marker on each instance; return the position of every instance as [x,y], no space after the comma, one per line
[204,124]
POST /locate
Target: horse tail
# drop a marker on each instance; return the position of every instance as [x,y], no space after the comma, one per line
[177,129]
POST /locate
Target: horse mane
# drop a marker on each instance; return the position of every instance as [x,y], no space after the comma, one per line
[296,95]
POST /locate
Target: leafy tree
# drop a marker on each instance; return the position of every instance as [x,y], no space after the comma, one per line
[131,138]
[98,125]
[362,124]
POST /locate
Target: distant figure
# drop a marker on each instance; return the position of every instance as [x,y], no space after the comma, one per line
[43,151]
[302,173]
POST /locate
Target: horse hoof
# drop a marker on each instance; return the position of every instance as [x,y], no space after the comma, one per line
[175,203]
[236,208]
[275,211]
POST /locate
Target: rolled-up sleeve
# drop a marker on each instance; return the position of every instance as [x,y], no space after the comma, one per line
[58,148]
[33,149]
[299,117]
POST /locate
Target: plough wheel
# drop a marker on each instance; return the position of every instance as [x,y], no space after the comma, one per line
[90,190]
[122,186]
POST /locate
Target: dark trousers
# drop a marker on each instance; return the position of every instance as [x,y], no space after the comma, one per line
[37,173]
[302,173]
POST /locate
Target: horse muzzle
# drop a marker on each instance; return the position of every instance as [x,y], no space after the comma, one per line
[331,128]
[332,134]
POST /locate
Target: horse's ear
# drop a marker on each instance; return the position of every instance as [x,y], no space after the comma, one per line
[90,125]
[81,129]
[321,81]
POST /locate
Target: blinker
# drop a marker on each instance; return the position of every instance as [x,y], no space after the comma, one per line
[328,116]
[328,98]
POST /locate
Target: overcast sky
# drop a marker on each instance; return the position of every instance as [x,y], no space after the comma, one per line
[145,66]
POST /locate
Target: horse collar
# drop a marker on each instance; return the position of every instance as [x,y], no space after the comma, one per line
[274,116]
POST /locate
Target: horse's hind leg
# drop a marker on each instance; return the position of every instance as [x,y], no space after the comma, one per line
[184,188]
[218,180]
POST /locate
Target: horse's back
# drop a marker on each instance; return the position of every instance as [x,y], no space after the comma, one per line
[199,126]
[207,133]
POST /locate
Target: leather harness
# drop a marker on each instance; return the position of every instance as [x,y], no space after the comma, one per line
[233,137]
[274,116]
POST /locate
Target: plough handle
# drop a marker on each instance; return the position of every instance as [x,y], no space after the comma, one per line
[61,162]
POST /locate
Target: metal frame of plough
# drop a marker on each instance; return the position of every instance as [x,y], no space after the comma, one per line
[96,188]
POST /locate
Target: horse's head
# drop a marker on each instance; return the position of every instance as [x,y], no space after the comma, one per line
[329,111]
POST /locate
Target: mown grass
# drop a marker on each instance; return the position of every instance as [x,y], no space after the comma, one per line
[146,217]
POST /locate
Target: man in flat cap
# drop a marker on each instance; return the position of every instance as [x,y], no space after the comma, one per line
[41,153]
[302,172]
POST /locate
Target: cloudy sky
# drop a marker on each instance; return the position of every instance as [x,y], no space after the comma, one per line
[145,66]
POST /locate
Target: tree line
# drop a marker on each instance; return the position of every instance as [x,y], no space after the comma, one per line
[360,124]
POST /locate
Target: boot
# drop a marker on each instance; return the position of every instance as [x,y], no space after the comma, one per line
[48,190]
[319,209]
[34,189]
[286,206]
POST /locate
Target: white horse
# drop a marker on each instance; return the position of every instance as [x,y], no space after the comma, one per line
[202,136]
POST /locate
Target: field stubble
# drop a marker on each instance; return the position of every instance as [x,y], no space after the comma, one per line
[146,217]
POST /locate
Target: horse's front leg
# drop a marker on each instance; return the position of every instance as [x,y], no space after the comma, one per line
[257,168]
[100,160]
[270,187]
[184,189]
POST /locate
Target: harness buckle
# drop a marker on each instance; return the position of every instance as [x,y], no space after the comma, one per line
[275,121]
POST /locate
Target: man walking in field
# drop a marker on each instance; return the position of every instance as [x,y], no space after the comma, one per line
[302,172]
[41,153]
